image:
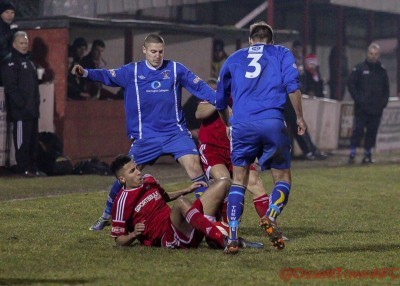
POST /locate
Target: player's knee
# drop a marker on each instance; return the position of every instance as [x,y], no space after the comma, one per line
[223,184]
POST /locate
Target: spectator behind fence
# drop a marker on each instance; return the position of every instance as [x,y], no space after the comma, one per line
[95,60]
[76,51]
[76,85]
[219,57]
[313,84]
[23,99]
[343,73]
[369,87]
[7,29]
[297,51]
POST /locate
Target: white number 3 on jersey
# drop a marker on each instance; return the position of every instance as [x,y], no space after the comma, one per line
[254,63]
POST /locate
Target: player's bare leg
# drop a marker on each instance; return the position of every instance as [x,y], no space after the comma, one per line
[192,166]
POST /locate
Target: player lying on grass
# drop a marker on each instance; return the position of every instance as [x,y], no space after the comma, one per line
[140,211]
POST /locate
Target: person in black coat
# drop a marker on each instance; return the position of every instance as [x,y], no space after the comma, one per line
[22,99]
[7,30]
[369,87]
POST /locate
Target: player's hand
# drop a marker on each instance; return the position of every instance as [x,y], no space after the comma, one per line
[196,185]
[139,228]
[78,70]
[301,126]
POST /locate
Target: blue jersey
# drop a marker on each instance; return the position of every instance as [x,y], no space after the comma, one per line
[258,78]
[153,96]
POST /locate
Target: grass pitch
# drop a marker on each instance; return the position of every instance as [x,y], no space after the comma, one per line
[343,224]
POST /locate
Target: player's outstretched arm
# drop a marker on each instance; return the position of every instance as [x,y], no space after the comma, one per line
[171,196]
[204,110]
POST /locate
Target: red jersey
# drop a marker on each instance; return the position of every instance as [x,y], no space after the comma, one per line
[144,204]
[213,131]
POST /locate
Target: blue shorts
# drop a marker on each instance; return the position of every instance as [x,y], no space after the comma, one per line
[267,139]
[148,150]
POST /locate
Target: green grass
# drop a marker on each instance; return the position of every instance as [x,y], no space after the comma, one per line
[336,218]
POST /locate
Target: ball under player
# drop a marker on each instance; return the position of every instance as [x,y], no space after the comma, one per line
[214,151]
[258,78]
[154,117]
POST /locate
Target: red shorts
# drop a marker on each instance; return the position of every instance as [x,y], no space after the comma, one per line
[173,238]
[211,155]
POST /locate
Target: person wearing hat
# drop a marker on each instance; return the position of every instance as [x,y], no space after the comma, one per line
[314,84]
[7,13]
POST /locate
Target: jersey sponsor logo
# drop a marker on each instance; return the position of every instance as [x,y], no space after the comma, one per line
[256,49]
[153,196]
[196,79]
[117,229]
[155,84]
[10,64]
[165,74]
[112,73]
[366,72]
[141,77]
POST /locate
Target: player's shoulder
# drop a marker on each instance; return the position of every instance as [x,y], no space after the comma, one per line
[149,179]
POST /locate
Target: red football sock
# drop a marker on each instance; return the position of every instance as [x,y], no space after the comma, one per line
[195,218]
[261,205]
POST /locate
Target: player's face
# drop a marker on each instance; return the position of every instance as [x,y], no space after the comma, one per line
[8,16]
[154,53]
[21,44]
[373,55]
[130,176]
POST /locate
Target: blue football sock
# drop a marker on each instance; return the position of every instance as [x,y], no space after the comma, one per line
[199,191]
[115,188]
[278,199]
[235,209]
[352,151]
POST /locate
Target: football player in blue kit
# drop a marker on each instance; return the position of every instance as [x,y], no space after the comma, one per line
[258,78]
[154,117]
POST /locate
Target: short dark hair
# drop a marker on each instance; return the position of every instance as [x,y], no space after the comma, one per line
[262,31]
[119,162]
[212,80]
[153,38]
[98,43]
[79,42]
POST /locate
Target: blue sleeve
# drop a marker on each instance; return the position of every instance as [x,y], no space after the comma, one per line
[194,84]
[113,77]
[289,71]
[223,87]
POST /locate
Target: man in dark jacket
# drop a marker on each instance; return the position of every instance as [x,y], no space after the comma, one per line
[22,96]
[369,87]
[7,13]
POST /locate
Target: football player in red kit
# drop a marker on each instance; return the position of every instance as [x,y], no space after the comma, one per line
[140,211]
